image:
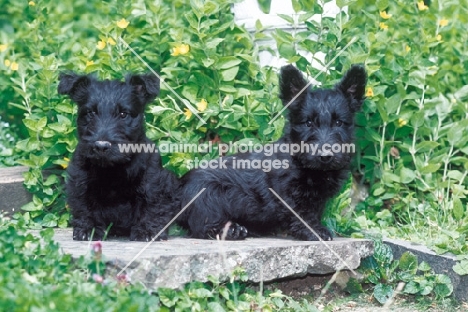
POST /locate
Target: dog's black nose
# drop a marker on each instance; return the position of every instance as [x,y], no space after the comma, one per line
[102,146]
[326,158]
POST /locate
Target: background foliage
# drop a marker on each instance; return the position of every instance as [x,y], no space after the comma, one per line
[411,136]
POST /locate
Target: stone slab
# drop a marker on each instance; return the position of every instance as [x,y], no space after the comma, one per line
[441,264]
[13,194]
[179,260]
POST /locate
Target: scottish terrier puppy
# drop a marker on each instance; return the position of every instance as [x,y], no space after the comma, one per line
[238,201]
[128,192]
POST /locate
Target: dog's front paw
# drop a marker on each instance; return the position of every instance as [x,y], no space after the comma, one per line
[236,232]
[142,235]
[85,234]
[322,231]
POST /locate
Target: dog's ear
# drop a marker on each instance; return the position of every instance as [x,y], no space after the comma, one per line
[291,82]
[146,87]
[353,86]
[75,86]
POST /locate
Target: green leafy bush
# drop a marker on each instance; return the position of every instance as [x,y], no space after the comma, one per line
[36,276]
[386,275]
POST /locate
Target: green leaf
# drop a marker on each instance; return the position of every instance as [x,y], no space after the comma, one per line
[213,43]
[308,5]
[200,293]
[264,5]
[52,179]
[426,146]
[227,62]
[411,288]
[382,4]
[156,110]
[31,206]
[408,262]
[229,74]
[383,292]
[35,125]
[461,268]
[458,211]
[287,18]
[407,175]
[430,168]
[49,220]
[424,266]
[417,119]
[353,286]
[215,307]
[296,4]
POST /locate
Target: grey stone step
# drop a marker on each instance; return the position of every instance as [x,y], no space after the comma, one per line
[179,260]
[13,194]
[440,264]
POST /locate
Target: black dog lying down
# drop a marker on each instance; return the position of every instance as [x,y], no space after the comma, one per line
[129,192]
[241,198]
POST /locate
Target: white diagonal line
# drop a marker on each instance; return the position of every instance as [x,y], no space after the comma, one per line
[160,232]
[311,81]
[186,102]
[313,231]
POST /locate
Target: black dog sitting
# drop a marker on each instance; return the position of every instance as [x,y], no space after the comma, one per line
[127,191]
[238,197]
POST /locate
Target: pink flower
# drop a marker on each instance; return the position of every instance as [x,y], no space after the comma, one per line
[97,247]
[98,278]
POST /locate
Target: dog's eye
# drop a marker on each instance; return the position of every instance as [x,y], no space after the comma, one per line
[308,123]
[123,115]
[338,123]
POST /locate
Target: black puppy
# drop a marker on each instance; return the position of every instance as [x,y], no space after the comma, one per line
[127,191]
[240,197]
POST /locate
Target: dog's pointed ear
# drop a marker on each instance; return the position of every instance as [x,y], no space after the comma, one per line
[291,82]
[75,86]
[353,86]
[145,87]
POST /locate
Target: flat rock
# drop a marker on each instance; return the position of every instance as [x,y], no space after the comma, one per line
[179,260]
[13,194]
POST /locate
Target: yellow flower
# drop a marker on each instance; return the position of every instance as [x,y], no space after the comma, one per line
[407,48]
[3,47]
[89,63]
[201,106]
[383,26]
[439,37]
[7,63]
[422,6]
[14,66]
[101,45]
[187,113]
[180,49]
[31,3]
[401,122]
[369,92]
[384,15]
[111,41]
[65,165]
[123,23]
[443,22]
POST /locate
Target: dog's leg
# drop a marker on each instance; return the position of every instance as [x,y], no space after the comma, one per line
[300,231]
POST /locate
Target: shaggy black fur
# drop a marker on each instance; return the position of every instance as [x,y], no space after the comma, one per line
[129,192]
[241,197]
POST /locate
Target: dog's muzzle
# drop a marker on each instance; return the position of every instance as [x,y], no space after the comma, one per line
[102,146]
